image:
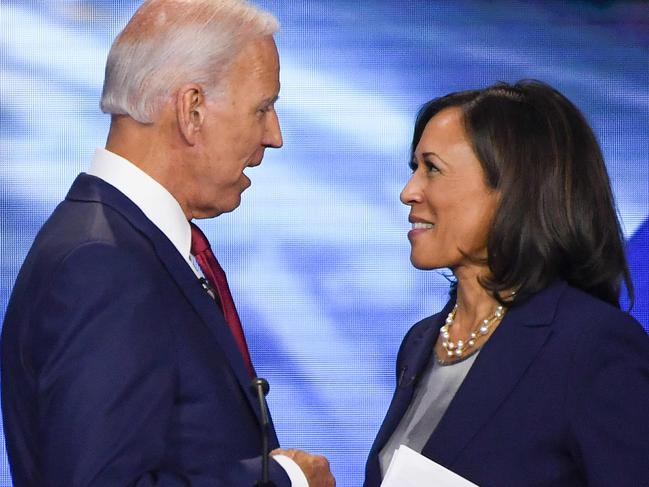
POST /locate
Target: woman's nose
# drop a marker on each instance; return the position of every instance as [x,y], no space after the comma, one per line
[410,193]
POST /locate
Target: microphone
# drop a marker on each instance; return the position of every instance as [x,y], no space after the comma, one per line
[260,387]
[405,381]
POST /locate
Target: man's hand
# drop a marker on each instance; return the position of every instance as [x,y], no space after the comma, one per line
[315,467]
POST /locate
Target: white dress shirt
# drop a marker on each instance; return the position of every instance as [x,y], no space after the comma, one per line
[164,211]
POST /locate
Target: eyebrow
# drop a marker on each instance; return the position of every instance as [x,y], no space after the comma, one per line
[433,154]
[269,101]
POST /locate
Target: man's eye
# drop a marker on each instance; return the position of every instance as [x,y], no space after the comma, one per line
[413,165]
[266,109]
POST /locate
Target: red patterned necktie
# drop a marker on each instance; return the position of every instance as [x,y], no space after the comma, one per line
[214,273]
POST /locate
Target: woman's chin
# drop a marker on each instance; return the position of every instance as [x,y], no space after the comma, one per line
[422,263]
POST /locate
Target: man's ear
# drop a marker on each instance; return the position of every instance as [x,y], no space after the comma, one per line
[190,111]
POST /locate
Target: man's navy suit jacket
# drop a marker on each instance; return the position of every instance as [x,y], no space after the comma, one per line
[559,396]
[117,367]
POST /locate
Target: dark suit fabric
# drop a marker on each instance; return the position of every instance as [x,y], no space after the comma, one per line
[558,396]
[117,368]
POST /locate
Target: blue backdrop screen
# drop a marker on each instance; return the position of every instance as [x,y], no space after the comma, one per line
[317,253]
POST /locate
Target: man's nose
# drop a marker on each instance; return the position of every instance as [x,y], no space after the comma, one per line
[273,136]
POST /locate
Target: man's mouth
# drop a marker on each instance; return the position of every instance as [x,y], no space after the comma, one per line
[256,159]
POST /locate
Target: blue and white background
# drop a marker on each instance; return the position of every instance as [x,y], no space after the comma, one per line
[317,253]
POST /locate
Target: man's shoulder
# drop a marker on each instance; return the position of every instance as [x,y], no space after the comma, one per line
[85,238]
[93,211]
[81,225]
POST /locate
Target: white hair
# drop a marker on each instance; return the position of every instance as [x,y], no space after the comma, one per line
[171,42]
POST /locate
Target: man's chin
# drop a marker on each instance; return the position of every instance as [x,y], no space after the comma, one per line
[228,208]
[223,207]
[234,204]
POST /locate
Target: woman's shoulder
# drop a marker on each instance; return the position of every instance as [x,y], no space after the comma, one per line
[589,319]
[591,311]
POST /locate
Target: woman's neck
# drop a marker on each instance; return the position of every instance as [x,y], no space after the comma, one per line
[474,303]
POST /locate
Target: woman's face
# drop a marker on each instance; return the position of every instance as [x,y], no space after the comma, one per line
[451,207]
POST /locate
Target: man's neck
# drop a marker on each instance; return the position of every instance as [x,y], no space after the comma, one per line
[147,147]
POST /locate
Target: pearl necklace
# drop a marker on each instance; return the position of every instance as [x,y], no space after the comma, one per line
[458,349]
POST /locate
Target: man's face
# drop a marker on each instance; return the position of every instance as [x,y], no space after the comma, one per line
[238,126]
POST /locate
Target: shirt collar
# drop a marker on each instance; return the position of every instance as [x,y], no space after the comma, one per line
[157,204]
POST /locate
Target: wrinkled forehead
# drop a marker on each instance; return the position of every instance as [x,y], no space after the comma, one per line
[254,73]
[258,58]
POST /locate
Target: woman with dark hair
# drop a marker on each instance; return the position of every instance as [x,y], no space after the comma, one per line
[531,374]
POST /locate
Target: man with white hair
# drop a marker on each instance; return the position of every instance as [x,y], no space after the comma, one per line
[123,358]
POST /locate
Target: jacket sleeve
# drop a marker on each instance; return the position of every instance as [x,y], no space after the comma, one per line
[608,404]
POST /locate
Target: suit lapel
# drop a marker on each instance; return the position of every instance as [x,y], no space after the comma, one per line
[90,188]
[208,310]
[415,355]
[502,362]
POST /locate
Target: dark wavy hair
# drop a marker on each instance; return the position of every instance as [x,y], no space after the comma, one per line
[556,217]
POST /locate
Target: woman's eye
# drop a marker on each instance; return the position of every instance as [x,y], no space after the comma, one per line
[431,167]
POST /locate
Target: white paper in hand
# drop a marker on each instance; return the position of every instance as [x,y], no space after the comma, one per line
[410,469]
